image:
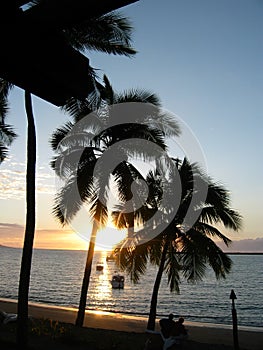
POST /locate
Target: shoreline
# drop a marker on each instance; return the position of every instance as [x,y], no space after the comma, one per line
[133,316]
[250,338]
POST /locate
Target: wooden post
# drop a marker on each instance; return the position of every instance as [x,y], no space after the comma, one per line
[234,320]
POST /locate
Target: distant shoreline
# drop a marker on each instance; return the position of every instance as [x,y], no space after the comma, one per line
[83,250]
[244,253]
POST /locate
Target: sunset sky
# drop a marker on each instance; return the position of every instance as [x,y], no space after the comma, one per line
[204,60]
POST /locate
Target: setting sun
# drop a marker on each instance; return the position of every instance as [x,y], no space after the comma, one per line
[108,237]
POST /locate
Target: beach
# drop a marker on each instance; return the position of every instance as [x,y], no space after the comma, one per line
[250,338]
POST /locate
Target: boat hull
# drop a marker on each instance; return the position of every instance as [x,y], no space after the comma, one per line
[117,282]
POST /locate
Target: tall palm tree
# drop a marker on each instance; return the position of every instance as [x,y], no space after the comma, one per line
[24,281]
[7,134]
[82,183]
[181,250]
[110,33]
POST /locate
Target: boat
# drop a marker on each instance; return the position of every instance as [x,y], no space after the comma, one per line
[99,267]
[111,257]
[117,281]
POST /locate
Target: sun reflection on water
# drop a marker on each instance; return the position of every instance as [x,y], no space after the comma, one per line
[102,285]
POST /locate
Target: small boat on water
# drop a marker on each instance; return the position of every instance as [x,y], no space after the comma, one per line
[117,281]
[111,257]
[99,267]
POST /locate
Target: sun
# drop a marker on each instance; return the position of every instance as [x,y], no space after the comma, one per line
[108,237]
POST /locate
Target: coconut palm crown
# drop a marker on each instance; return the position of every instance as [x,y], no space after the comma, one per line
[180,250]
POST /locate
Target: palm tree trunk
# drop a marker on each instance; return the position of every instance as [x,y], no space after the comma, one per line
[154,299]
[22,307]
[86,278]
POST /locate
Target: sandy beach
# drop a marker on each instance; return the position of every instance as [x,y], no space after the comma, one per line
[250,338]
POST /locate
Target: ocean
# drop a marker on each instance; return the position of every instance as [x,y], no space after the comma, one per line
[56,279]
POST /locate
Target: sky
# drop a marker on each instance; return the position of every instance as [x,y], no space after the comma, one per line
[204,60]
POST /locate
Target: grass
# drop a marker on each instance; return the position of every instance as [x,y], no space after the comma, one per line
[49,334]
[54,335]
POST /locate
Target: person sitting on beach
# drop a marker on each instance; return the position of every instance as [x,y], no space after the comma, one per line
[166,325]
[179,329]
[178,333]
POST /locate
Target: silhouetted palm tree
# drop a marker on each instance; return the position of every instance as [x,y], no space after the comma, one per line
[183,250]
[7,134]
[82,183]
[110,33]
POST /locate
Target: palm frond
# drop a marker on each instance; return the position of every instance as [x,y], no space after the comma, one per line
[59,134]
[99,212]
[125,174]
[78,189]
[217,195]
[3,109]
[77,108]
[228,217]
[118,218]
[192,259]
[66,163]
[139,96]
[172,269]
[212,231]
[5,88]
[107,93]
[99,198]
[3,152]
[155,250]
[7,134]
[67,202]
[208,250]
[133,261]
[167,124]
[140,149]
[110,33]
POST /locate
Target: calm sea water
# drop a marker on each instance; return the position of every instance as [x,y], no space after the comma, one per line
[57,277]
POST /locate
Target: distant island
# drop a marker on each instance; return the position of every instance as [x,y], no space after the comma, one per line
[227,252]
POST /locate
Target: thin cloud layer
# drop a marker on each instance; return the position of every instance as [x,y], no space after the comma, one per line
[12,235]
[13,180]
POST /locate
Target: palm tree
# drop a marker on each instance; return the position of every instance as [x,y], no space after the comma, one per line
[183,250]
[110,33]
[80,153]
[24,281]
[7,135]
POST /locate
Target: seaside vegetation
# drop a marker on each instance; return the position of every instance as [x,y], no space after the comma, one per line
[109,33]
[86,181]
[194,240]
[7,134]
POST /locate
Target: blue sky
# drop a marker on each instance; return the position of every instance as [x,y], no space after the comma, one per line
[204,60]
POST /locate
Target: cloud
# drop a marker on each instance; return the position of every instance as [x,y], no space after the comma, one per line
[244,246]
[12,184]
[8,226]
[12,235]
[13,180]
